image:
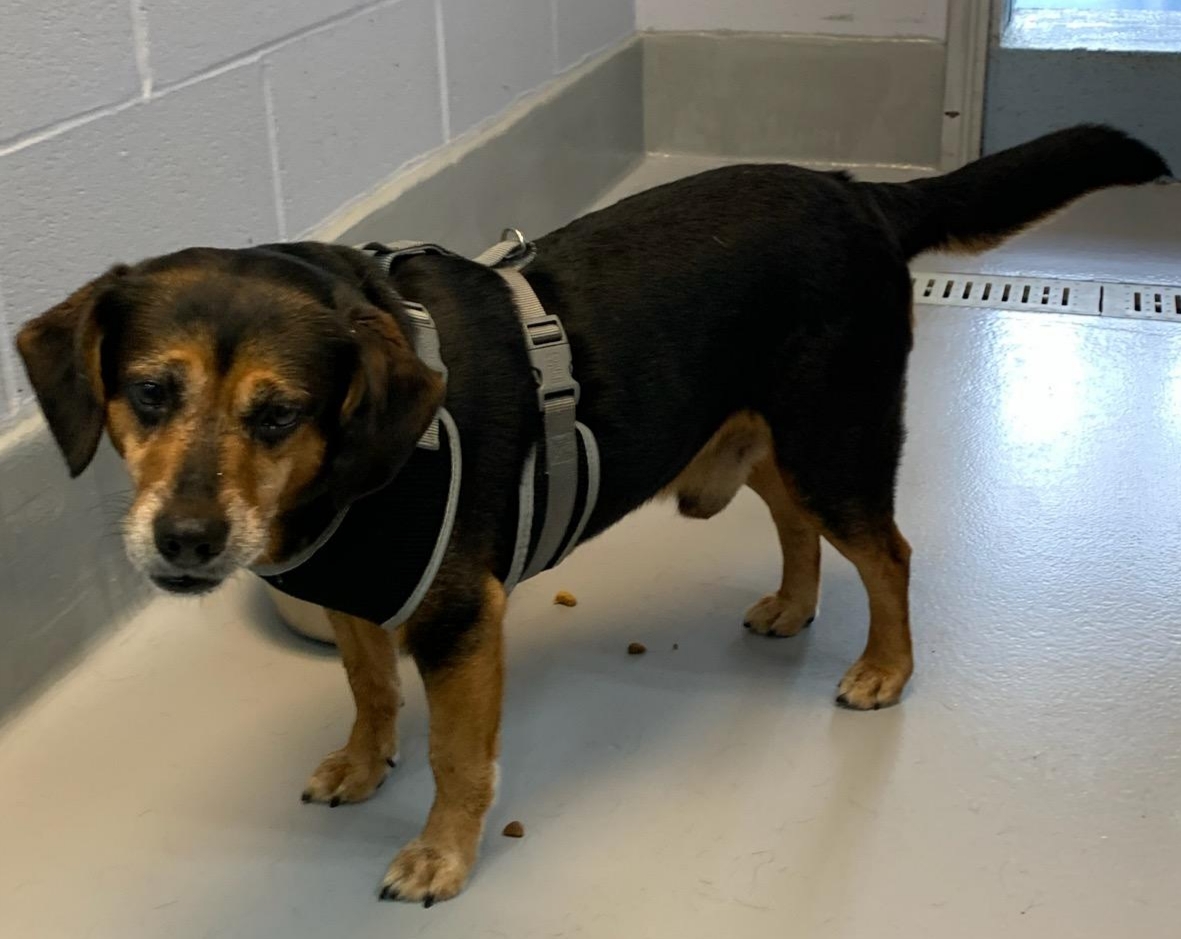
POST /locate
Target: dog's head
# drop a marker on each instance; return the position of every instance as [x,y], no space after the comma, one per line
[252,394]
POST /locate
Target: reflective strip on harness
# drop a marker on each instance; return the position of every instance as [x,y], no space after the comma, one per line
[383,556]
[291,563]
[411,605]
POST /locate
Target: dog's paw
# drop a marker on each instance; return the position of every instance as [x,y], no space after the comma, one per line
[423,873]
[775,616]
[868,685]
[346,776]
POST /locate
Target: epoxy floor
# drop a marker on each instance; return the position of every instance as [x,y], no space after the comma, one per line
[1029,785]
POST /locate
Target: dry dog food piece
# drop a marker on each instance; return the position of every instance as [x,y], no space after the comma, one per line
[636,648]
[565,598]
[675,646]
[514,830]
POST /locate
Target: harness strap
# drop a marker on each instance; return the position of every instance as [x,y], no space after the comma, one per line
[426,346]
[557,397]
[410,606]
[425,336]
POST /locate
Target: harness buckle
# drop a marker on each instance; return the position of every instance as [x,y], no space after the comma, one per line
[549,354]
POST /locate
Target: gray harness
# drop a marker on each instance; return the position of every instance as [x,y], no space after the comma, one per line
[557,398]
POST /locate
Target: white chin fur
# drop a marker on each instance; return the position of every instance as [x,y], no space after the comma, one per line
[247,538]
[138,538]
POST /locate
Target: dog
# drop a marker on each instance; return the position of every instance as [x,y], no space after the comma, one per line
[746,326]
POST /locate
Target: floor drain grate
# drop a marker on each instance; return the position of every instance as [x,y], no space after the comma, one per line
[1007,293]
[1042,295]
[1142,302]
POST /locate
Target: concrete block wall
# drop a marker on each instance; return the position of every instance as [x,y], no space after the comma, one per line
[134,127]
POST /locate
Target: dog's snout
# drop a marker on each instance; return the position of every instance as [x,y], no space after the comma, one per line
[190,541]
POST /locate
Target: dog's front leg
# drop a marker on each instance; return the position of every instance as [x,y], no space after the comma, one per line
[464,679]
[353,773]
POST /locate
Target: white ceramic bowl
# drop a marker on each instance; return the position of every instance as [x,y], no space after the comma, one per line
[305,618]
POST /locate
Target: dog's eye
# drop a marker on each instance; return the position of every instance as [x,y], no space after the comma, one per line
[274,420]
[149,398]
[280,415]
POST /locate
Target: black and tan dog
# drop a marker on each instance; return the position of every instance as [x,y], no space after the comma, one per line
[750,325]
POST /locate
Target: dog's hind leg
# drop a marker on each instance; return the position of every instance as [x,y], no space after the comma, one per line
[795,604]
[882,558]
[840,447]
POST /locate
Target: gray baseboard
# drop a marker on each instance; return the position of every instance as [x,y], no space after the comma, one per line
[808,98]
[64,579]
[536,173]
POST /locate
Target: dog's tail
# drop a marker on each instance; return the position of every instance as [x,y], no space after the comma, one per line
[981,204]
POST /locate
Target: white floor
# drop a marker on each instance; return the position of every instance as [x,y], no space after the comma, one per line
[1029,785]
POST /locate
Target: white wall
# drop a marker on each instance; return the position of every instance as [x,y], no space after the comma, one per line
[926,18]
[135,127]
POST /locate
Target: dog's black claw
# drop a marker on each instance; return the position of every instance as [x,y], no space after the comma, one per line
[843,701]
[745,625]
[382,783]
[391,762]
[306,796]
[388,893]
[429,901]
[334,802]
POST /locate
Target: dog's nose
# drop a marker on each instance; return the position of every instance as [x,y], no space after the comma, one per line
[190,542]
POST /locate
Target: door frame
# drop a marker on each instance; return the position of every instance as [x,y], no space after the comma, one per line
[969,31]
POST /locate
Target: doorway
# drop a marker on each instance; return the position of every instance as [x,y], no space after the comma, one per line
[1052,63]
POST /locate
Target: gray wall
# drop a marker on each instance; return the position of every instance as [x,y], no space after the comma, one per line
[774,96]
[1033,91]
[133,128]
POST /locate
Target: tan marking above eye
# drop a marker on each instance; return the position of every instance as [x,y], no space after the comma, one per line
[188,365]
[195,355]
[250,382]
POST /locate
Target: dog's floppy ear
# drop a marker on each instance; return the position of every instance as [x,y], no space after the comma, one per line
[391,401]
[61,351]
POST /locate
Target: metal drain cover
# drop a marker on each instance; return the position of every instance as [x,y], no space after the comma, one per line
[1142,301]
[1047,295]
